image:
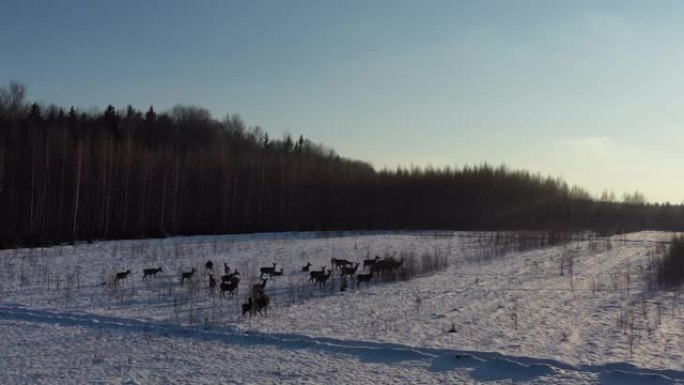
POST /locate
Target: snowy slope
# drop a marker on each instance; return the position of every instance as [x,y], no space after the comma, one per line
[516,318]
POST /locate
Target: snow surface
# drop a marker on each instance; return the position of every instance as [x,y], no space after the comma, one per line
[65,322]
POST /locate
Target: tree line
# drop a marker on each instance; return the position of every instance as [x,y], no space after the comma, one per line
[68,175]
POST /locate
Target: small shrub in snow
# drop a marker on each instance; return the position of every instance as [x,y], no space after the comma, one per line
[671,268]
[514,314]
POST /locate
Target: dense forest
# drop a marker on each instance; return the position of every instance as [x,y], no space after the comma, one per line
[68,175]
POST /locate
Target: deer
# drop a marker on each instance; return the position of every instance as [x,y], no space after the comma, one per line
[187,275]
[395,265]
[209,265]
[349,270]
[229,287]
[212,283]
[370,262]
[122,276]
[386,265]
[268,270]
[334,262]
[248,307]
[277,273]
[306,267]
[382,265]
[226,269]
[230,277]
[262,302]
[259,287]
[321,279]
[364,278]
[153,272]
[315,273]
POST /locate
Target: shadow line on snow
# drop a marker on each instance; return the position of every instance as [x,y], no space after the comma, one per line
[483,366]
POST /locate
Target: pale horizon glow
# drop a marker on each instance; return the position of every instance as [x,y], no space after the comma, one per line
[588,91]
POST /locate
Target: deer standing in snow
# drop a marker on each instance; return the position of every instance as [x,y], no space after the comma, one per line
[153,272]
[187,275]
[122,276]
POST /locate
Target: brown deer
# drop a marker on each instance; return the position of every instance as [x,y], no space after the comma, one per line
[248,307]
[187,275]
[259,287]
[277,273]
[268,270]
[212,283]
[334,262]
[229,287]
[370,262]
[321,279]
[363,278]
[230,277]
[209,265]
[262,302]
[122,276]
[315,273]
[349,270]
[153,272]
[396,264]
[306,267]
[382,265]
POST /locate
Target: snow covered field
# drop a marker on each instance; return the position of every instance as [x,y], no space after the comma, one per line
[515,318]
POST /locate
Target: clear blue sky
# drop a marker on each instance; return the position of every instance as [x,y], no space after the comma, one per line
[592,91]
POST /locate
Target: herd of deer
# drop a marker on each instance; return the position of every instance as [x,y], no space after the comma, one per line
[375,266]
[258,300]
[229,283]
